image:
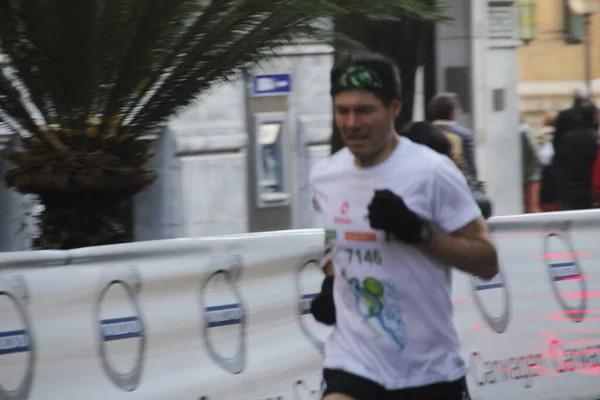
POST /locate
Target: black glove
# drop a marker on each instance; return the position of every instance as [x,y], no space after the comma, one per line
[323,307]
[389,213]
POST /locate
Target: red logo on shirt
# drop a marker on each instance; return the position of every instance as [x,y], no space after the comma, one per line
[345,207]
[344,210]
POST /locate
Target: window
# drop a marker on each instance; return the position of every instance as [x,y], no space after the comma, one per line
[526,20]
[574,24]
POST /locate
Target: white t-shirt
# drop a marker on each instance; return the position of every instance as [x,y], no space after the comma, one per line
[393,301]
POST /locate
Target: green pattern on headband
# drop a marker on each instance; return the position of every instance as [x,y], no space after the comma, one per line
[359,77]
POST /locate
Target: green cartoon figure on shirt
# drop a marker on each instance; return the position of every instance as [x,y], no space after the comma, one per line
[371,303]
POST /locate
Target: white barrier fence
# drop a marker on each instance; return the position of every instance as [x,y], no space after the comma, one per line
[225,318]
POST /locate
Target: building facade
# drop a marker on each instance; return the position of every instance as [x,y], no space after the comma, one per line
[552,59]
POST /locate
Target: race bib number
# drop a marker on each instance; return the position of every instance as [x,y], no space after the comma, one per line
[363,256]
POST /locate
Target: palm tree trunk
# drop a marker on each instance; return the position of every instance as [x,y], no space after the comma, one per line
[86,195]
[80,219]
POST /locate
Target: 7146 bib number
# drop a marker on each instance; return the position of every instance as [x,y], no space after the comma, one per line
[364,256]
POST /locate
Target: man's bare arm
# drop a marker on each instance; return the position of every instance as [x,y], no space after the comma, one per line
[468,249]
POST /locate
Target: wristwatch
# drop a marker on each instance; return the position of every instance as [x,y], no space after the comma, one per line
[426,233]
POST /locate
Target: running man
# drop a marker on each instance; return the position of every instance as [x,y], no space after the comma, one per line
[398,216]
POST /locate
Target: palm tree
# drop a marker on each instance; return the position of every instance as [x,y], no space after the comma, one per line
[85,81]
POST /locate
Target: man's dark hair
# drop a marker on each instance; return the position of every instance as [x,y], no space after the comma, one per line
[424,133]
[381,75]
[442,106]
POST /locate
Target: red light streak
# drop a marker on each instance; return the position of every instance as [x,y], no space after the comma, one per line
[569,255]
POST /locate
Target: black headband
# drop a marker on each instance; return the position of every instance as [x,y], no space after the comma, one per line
[357,77]
[379,81]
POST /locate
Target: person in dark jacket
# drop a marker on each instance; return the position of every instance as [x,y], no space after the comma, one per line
[566,121]
[578,150]
[443,110]
[569,118]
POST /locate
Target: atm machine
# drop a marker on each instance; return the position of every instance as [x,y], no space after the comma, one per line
[270,159]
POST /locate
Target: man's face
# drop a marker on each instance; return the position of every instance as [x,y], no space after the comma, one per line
[364,122]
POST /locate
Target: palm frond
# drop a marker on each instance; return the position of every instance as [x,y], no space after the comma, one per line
[106,68]
[231,36]
[159,25]
[15,114]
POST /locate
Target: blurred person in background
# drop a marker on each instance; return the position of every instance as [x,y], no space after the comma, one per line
[443,111]
[548,188]
[596,179]
[531,169]
[578,149]
[566,120]
[424,133]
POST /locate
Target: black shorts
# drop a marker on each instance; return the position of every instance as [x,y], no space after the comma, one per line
[340,382]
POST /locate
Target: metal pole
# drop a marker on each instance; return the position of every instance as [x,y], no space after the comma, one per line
[588,55]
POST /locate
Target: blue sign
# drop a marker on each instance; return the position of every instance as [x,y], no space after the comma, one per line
[275,84]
